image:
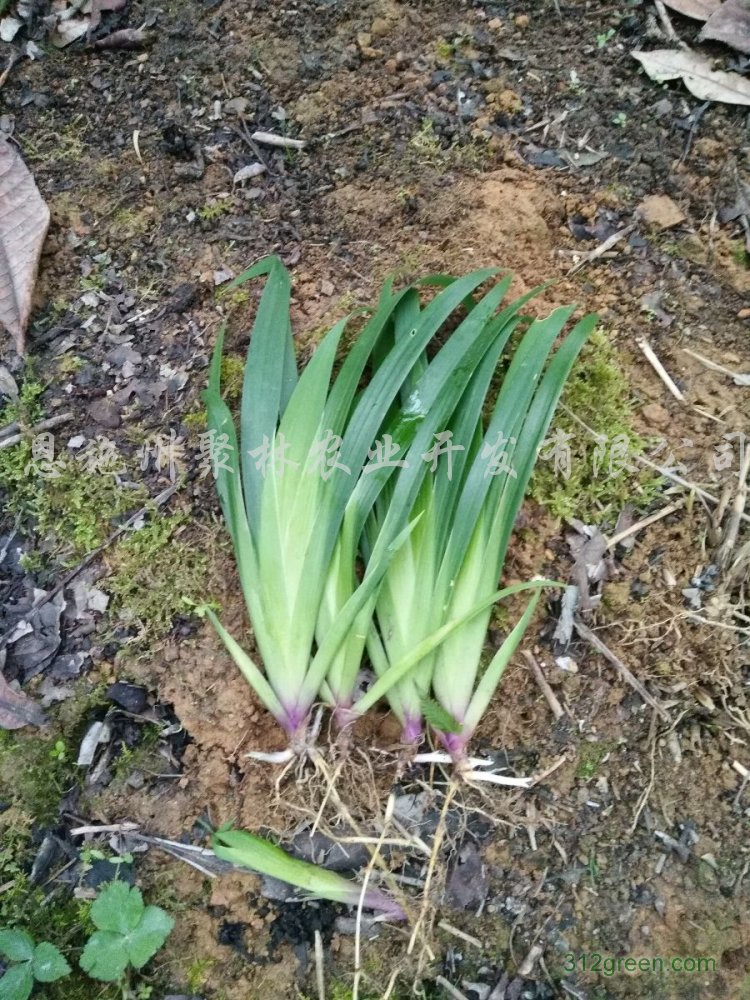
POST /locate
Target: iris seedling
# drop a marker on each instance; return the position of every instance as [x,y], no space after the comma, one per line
[444,579]
[372,506]
[259,855]
[289,488]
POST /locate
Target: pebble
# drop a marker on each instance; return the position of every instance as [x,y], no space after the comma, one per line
[522,20]
[656,415]
[380,27]
[105,412]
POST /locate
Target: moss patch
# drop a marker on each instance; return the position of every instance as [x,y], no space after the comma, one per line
[73,509]
[153,571]
[579,475]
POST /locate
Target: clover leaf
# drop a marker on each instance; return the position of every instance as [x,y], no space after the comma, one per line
[42,962]
[128,933]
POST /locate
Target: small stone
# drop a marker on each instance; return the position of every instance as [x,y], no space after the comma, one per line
[364,39]
[496,23]
[237,105]
[131,697]
[655,415]
[380,27]
[659,211]
[326,287]
[744,314]
[105,412]
[522,20]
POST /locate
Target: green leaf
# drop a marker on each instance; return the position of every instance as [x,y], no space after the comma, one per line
[146,939]
[18,946]
[105,956]
[438,717]
[17,982]
[48,963]
[259,855]
[118,908]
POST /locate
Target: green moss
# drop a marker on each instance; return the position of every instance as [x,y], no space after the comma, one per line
[34,776]
[425,143]
[232,377]
[594,477]
[590,756]
[196,420]
[72,509]
[215,209]
[153,571]
[69,364]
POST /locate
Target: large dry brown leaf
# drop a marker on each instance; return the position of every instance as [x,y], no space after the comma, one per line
[729,24]
[697,73]
[700,10]
[24,218]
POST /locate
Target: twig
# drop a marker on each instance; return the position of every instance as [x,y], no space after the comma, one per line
[461,934]
[632,680]
[527,966]
[739,378]
[668,474]
[365,881]
[45,425]
[269,139]
[724,552]
[436,845]
[641,805]
[599,251]
[639,525]
[659,368]
[555,706]
[83,831]
[319,970]
[669,31]
[12,60]
[450,989]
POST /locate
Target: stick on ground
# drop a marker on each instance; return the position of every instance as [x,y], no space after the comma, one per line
[626,674]
[555,706]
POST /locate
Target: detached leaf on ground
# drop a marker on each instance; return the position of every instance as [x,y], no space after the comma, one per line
[98,7]
[700,10]
[697,73]
[730,24]
[16,709]
[24,218]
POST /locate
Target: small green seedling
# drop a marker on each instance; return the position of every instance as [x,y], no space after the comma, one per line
[30,963]
[128,933]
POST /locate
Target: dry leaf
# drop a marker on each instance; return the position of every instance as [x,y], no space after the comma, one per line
[729,24]
[697,73]
[126,38]
[24,218]
[69,30]
[98,7]
[16,710]
[700,10]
